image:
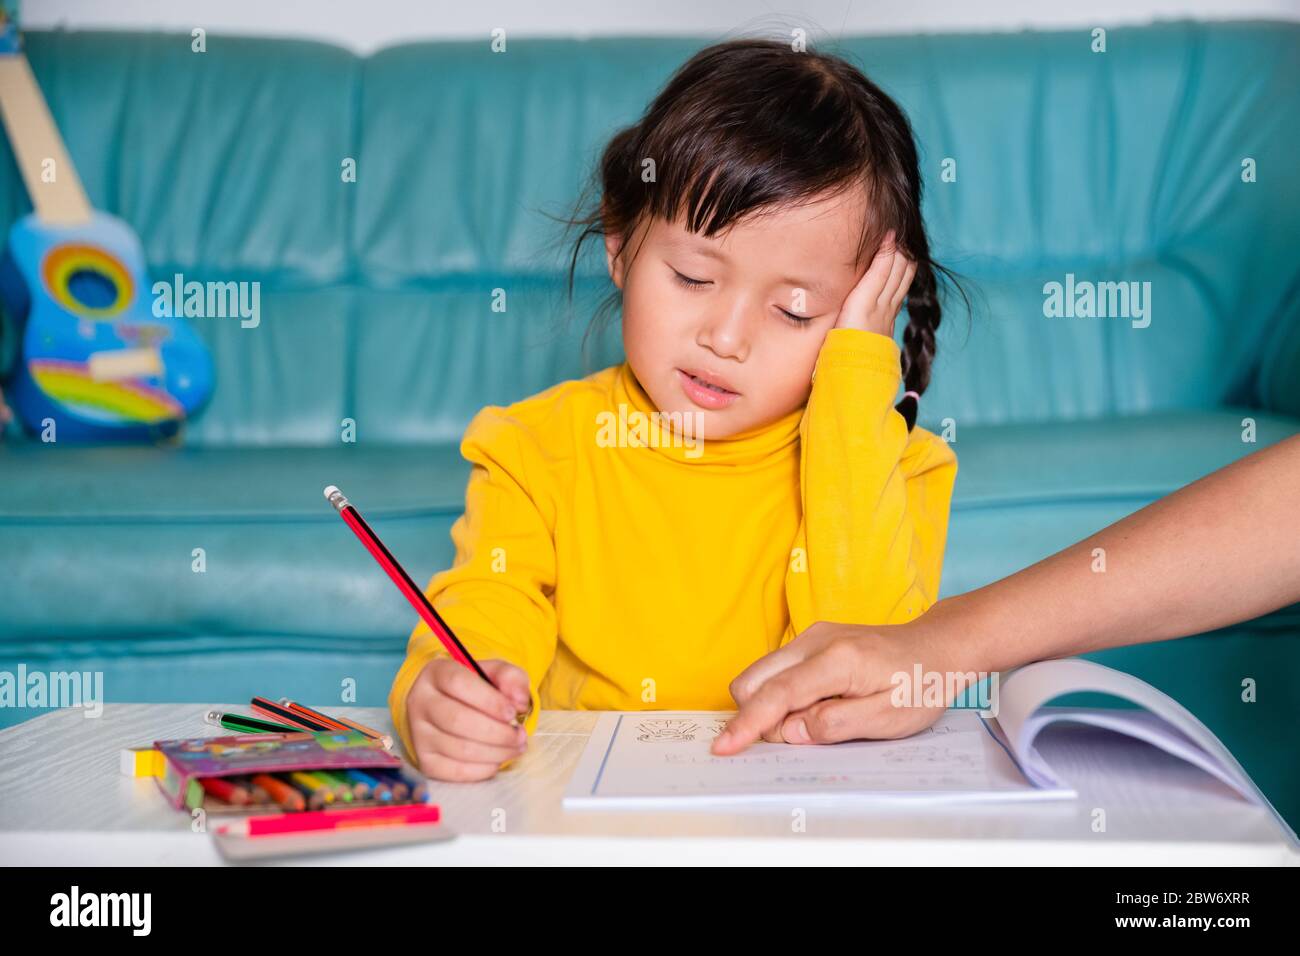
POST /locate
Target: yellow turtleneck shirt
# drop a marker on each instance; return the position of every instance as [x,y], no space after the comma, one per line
[646,572]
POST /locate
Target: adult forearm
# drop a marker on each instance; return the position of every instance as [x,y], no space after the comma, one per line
[1224,549]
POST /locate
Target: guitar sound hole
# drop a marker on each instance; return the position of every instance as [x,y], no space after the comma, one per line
[92,289]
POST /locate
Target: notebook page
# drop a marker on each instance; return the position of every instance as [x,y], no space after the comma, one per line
[1174,729]
[663,759]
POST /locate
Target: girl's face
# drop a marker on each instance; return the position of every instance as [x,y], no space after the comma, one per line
[745,311]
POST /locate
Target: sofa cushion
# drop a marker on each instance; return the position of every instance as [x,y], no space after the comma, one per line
[224,161]
[99,542]
[228,164]
[107,534]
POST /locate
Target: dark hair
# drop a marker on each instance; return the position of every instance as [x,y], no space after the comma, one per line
[751,124]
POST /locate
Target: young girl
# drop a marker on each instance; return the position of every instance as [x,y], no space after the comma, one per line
[635,539]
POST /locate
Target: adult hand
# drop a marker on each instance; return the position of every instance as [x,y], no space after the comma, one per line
[835,682]
[832,682]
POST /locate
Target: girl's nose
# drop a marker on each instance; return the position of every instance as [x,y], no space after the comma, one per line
[727,332]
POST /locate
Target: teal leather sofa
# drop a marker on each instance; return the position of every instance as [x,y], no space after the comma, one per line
[376,308]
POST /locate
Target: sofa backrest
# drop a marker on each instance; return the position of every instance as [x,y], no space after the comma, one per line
[377,296]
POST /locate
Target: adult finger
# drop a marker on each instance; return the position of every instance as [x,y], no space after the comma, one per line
[825,674]
[855,718]
[807,643]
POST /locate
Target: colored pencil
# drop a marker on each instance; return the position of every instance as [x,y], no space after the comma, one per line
[270,708]
[413,594]
[400,788]
[342,722]
[226,790]
[303,710]
[385,739]
[248,725]
[359,786]
[331,820]
[281,792]
[344,789]
[378,789]
[317,792]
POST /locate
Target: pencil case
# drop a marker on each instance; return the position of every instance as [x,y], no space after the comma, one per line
[187,762]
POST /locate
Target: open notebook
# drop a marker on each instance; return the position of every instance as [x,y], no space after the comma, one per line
[662,759]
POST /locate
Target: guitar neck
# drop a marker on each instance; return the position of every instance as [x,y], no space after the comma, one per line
[56,194]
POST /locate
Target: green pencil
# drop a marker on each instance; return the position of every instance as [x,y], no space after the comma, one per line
[342,788]
[248,725]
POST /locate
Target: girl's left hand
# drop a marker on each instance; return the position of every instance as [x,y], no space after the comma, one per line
[875,301]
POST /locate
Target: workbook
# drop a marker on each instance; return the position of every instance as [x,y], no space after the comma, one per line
[663,760]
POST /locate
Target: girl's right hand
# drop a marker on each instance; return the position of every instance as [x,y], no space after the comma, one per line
[874,303]
[461,726]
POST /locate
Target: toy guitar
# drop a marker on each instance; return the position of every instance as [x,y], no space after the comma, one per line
[93,357]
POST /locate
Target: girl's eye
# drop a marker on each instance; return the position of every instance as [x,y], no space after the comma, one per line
[688,281]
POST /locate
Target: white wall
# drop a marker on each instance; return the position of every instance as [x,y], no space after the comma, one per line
[365,25]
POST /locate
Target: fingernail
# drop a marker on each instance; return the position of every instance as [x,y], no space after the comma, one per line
[723,738]
[799,733]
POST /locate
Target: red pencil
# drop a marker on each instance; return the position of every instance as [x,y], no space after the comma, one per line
[332,820]
[227,790]
[403,581]
[341,723]
[270,708]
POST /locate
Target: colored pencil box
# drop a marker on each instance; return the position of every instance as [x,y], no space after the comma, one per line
[236,843]
[186,762]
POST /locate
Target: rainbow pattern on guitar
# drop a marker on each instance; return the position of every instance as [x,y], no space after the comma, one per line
[72,385]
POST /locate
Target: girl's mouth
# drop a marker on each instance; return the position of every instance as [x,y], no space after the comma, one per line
[703,394]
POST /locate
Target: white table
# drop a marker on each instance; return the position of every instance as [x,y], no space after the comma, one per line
[64,802]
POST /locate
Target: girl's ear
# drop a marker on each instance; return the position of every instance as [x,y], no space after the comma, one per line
[614,245]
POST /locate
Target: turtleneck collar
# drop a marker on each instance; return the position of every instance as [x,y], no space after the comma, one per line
[749,447]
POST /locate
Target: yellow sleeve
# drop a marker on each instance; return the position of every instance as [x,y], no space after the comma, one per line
[875,497]
[496,596]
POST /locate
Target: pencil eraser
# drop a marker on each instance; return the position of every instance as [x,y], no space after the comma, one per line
[141,762]
[331,491]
